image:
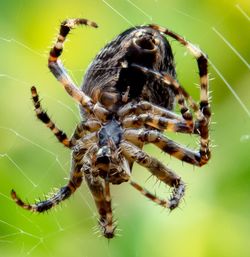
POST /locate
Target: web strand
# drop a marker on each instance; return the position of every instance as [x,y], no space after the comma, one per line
[242,12]
[139,9]
[231,89]
[117,12]
[231,47]
[12,40]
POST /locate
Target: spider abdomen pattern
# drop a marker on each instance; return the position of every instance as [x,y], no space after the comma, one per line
[126,100]
[112,70]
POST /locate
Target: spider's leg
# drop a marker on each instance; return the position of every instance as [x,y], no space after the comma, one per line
[163,173]
[43,116]
[57,68]
[204,119]
[202,113]
[180,93]
[108,223]
[149,195]
[143,107]
[202,64]
[158,122]
[101,194]
[75,180]
[180,152]
[88,125]
[64,193]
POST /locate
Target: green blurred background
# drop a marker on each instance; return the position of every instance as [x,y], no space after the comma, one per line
[214,218]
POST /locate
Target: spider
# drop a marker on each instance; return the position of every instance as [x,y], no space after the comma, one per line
[127,100]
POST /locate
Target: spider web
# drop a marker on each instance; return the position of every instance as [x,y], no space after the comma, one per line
[32,162]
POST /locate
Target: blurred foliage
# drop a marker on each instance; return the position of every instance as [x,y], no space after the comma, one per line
[213,220]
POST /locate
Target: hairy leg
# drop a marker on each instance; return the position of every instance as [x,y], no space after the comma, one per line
[64,192]
[101,193]
[158,122]
[163,173]
[179,91]
[57,68]
[149,195]
[143,106]
[43,116]
[204,115]
[102,200]
[180,152]
[75,180]
[81,129]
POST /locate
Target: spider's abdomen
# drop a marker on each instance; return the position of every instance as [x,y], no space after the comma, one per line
[112,72]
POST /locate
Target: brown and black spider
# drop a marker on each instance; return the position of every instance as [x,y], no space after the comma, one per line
[127,100]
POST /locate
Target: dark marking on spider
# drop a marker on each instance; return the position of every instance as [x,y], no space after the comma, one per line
[126,101]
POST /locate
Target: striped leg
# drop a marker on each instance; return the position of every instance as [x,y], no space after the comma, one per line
[149,195]
[200,57]
[133,153]
[101,195]
[64,193]
[203,113]
[180,92]
[204,119]
[89,125]
[57,68]
[108,224]
[157,122]
[144,106]
[43,116]
[201,61]
[198,158]
[75,180]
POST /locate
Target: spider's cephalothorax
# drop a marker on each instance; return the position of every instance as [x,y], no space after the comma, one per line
[126,101]
[109,162]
